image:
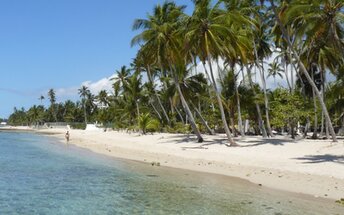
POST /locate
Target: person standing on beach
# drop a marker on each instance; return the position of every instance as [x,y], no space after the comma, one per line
[67,136]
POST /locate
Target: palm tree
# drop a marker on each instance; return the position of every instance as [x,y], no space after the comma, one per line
[261,51]
[194,87]
[102,97]
[206,30]
[302,65]
[84,93]
[121,77]
[41,98]
[160,35]
[52,99]
[145,61]
[133,89]
[322,31]
[274,70]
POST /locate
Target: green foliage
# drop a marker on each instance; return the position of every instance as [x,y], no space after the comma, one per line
[147,124]
[144,121]
[81,126]
[340,201]
[179,128]
[287,108]
[154,126]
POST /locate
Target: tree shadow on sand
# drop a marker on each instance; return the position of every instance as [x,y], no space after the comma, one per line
[184,138]
[309,159]
[275,142]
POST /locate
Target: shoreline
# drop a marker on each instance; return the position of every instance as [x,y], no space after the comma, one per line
[311,167]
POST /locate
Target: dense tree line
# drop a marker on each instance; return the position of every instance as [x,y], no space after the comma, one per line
[164,90]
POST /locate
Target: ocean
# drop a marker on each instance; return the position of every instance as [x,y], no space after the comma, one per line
[39,175]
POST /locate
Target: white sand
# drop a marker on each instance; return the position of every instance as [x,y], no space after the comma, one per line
[314,167]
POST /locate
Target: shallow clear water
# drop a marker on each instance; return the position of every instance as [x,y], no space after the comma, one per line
[40,176]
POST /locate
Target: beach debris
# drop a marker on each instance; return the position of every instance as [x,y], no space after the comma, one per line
[260,185]
[340,201]
[155,163]
[152,176]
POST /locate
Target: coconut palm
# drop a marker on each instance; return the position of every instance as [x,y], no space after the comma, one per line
[84,93]
[262,50]
[41,98]
[121,77]
[206,30]
[102,98]
[52,99]
[160,35]
[147,65]
[275,70]
[322,31]
[302,66]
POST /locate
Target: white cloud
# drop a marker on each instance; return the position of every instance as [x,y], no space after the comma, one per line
[270,82]
[102,84]
[63,94]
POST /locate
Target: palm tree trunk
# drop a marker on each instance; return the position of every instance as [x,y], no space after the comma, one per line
[231,119]
[187,109]
[323,76]
[157,96]
[138,112]
[260,118]
[286,75]
[266,101]
[219,100]
[180,115]
[291,71]
[210,131]
[305,72]
[171,104]
[209,79]
[315,132]
[155,110]
[242,132]
[322,125]
[85,114]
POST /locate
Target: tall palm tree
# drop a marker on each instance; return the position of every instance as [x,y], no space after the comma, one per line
[160,35]
[262,50]
[206,30]
[322,31]
[41,98]
[145,61]
[84,93]
[302,65]
[133,89]
[52,99]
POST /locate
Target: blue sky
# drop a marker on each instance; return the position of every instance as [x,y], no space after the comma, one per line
[62,44]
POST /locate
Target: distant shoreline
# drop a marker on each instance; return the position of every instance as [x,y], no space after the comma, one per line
[16,128]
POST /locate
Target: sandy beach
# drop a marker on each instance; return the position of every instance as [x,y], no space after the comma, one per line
[314,167]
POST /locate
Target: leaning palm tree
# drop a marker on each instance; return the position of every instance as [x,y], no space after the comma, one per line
[206,31]
[322,32]
[84,92]
[160,36]
[303,13]
[143,58]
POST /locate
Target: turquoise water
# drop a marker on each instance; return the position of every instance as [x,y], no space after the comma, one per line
[40,176]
